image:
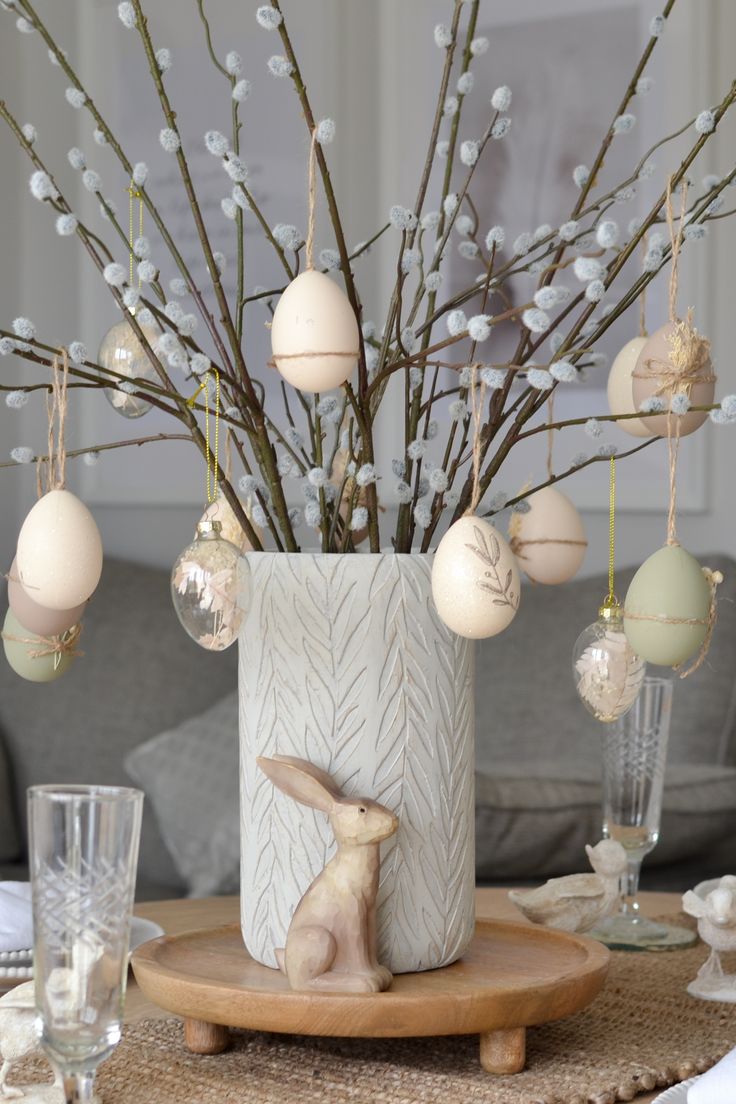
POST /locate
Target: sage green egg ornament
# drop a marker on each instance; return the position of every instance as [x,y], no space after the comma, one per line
[43,668]
[668,590]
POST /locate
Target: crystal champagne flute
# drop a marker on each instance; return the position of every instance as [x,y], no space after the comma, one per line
[84,851]
[634,760]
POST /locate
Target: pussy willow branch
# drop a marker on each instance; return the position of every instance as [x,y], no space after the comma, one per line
[366,435]
[571,471]
[134,442]
[536,400]
[90,105]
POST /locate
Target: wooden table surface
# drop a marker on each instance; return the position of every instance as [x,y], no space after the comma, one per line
[184,915]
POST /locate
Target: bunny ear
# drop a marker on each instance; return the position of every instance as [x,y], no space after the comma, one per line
[301,780]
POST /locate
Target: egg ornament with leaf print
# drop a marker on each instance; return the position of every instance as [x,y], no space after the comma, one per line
[210,588]
[475,579]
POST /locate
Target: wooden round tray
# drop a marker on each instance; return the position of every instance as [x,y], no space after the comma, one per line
[511,976]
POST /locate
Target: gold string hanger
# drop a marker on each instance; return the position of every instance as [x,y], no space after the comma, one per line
[610,602]
[213,456]
[134,193]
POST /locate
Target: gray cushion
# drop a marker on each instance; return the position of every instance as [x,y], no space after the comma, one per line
[526,705]
[533,819]
[140,674]
[9,839]
[190,775]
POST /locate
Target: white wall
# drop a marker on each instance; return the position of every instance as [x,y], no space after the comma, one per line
[41,277]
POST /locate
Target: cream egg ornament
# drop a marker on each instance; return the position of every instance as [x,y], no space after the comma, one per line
[38,619]
[59,557]
[548,540]
[314,334]
[230,528]
[475,580]
[621,388]
[35,658]
[675,360]
[668,607]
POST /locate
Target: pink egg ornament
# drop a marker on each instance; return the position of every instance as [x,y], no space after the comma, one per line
[657,357]
[38,619]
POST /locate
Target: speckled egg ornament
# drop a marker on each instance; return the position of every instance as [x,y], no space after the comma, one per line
[59,557]
[315,340]
[669,607]
[674,361]
[621,388]
[35,658]
[475,580]
[314,334]
[548,540]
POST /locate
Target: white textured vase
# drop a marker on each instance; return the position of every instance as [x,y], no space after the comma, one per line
[344,661]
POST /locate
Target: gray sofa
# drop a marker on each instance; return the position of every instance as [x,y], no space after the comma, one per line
[538,754]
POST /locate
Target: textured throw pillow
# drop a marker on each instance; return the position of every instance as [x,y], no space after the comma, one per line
[533,820]
[9,837]
[191,777]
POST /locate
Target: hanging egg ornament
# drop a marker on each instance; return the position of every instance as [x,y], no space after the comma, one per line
[608,674]
[59,557]
[548,540]
[230,528]
[314,334]
[475,580]
[36,658]
[675,360]
[121,351]
[210,588]
[621,388]
[668,607]
[39,619]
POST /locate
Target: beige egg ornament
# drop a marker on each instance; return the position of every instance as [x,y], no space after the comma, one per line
[667,607]
[675,360]
[59,557]
[475,580]
[20,645]
[549,540]
[314,334]
[621,388]
[231,529]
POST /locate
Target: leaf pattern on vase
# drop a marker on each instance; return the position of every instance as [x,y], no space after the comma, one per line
[488,550]
[340,654]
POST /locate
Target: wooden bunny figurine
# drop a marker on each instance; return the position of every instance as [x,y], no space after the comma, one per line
[331,942]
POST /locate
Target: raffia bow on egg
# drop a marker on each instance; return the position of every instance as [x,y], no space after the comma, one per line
[57,646]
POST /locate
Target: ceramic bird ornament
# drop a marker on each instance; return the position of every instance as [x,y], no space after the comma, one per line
[716,916]
[331,941]
[577,902]
[19,1040]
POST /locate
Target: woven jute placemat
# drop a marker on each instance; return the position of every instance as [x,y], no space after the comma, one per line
[642,1032]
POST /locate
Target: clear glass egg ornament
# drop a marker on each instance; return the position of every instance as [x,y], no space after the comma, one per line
[607,672]
[121,351]
[210,588]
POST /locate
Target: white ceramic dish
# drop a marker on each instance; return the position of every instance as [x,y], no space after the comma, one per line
[18,965]
[677,1094]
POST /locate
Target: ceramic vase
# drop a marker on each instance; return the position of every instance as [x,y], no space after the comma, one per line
[344,661]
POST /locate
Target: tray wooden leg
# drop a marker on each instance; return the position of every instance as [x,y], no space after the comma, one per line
[503,1051]
[205,1038]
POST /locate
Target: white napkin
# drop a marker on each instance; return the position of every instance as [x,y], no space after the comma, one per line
[718,1085]
[16,918]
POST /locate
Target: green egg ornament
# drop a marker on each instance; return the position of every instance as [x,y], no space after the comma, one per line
[43,668]
[667,607]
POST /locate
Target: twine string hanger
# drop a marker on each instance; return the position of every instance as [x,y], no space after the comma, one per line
[476,403]
[312,200]
[643,293]
[550,432]
[51,470]
[673,439]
